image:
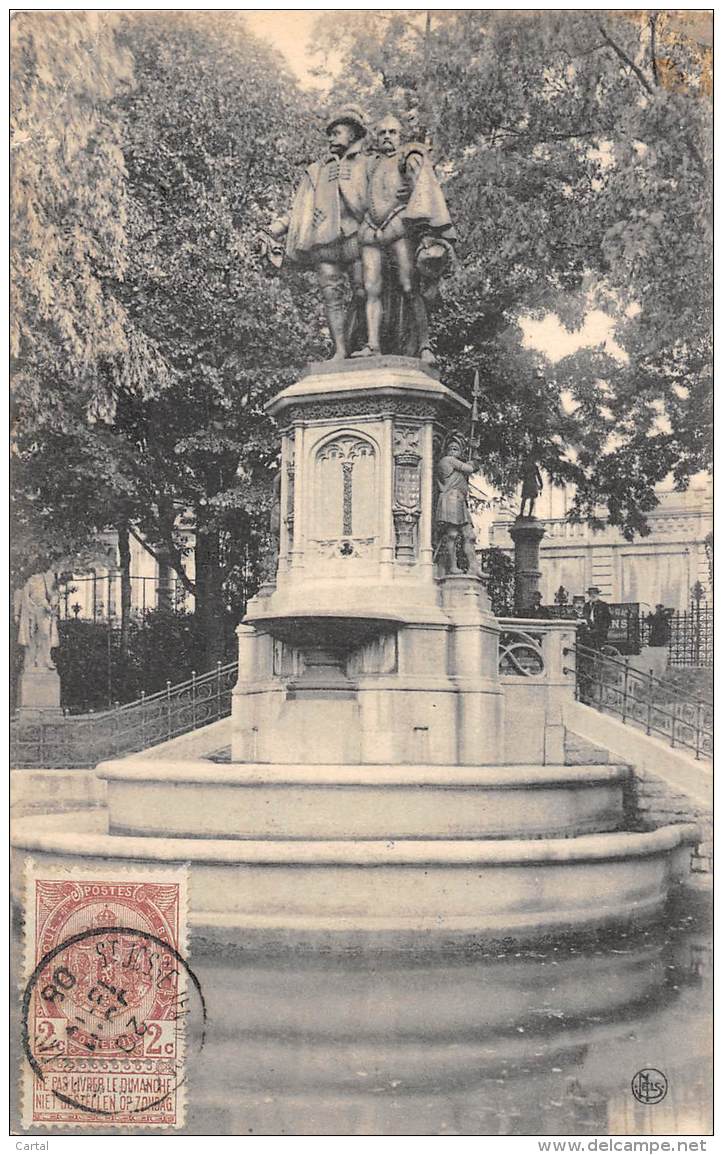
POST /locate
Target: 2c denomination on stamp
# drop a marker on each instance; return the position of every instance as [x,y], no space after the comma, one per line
[107,998]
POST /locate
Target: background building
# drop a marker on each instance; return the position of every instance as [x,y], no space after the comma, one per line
[96,595]
[662,567]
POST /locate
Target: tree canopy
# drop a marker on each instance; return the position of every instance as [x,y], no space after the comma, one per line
[576,151]
[210,129]
[149,147]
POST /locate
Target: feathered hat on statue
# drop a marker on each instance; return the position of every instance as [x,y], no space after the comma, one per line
[348,114]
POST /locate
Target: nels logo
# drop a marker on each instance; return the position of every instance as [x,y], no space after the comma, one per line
[649,1086]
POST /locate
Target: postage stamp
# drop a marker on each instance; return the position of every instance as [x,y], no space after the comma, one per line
[107,997]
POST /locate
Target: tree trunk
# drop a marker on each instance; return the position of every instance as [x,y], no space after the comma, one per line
[210,605]
[165,580]
[124,557]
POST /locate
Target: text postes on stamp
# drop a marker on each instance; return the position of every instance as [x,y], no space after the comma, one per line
[108,998]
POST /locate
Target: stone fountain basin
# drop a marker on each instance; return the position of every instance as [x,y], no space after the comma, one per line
[392,894]
[247,801]
[334,630]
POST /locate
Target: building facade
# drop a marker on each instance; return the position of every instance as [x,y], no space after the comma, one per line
[660,568]
[96,595]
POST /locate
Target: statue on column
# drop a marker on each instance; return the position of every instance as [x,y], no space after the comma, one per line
[406,245]
[453,518]
[37,615]
[321,230]
[532,484]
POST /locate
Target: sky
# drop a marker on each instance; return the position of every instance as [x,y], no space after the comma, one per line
[550,337]
[290,32]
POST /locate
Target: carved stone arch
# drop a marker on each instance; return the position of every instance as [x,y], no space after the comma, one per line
[344,436]
[345,470]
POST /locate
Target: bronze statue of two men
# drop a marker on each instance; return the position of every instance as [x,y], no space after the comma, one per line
[371,216]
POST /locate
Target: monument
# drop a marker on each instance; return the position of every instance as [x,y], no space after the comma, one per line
[349,658]
[371,459]
[321,230]
[371,219]
[527,533]
[36,613]
[397,772]
[407,234]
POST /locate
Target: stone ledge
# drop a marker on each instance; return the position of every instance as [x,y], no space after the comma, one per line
[373,852]
[380,361]
[512,777]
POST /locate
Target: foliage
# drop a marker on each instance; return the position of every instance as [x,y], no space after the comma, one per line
[163,647]
[575,148]
[209,138]
[498,574]
[73,346]
[68,209]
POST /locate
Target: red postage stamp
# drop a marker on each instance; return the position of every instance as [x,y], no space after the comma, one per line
[106,999]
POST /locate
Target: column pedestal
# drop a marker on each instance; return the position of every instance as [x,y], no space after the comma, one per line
[39,694]
[527,533]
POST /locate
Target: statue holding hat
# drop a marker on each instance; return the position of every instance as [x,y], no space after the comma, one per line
[406,244]
[374,221]
[321,229]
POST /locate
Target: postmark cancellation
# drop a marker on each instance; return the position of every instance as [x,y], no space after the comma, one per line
[107,994]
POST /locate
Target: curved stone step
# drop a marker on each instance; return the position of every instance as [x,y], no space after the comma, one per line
[398,893]
[247,801]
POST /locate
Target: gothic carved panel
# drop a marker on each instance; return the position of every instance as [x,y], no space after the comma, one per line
[407,506]
[345,493]
[407,439]
[346,547]
[369,408]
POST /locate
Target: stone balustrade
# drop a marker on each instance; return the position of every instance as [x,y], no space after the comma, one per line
[537,681]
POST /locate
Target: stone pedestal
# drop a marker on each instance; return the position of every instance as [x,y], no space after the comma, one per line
[372,801]
[360,654]
[39,694]
[527,533]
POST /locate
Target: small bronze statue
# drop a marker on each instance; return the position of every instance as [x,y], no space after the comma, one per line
[37,615]
[532,484]
[453,518]
[406,234]
[321,230]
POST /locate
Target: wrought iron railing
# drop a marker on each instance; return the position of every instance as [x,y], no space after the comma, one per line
[521,653]
[86,739]
[614,686]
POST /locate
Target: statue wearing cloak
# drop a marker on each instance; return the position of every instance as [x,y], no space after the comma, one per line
[321,229]
[37,614]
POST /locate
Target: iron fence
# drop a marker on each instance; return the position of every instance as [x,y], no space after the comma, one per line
[691,636]
[613,686]
[97,597]
[85,740]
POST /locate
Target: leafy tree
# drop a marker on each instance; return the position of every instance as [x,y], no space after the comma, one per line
[73,347]
[215,130]
[206,142]
[575,148]
[68,215]
[498,574]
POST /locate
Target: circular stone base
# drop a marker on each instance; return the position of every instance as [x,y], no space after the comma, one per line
[153,798]
[398,894]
